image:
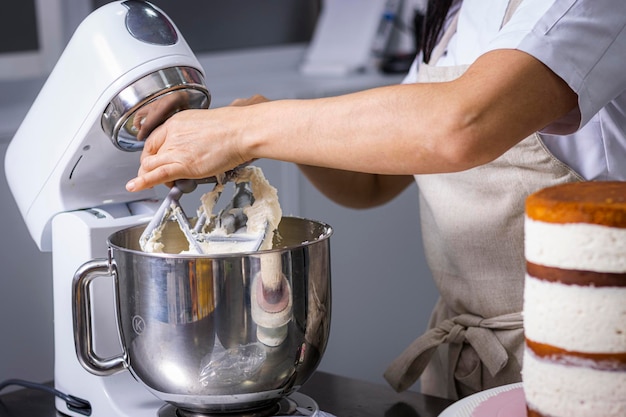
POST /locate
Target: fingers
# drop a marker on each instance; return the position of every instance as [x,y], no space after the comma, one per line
[136,184]
[153,143]
[190,144]
[151,171]
[148,179]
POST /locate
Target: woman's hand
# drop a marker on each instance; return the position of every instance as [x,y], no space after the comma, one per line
[192,144]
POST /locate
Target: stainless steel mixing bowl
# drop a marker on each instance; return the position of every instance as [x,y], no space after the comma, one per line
[212,334]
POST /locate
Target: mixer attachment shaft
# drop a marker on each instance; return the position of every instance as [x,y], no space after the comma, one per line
[170,207]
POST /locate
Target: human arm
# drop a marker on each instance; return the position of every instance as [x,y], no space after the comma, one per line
[348,188]
[400,130]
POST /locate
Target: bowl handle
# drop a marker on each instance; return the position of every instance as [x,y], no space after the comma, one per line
[83,324]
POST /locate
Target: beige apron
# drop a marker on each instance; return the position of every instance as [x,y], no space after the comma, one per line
[472,225]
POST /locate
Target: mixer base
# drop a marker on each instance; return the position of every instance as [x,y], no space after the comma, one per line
[295,404]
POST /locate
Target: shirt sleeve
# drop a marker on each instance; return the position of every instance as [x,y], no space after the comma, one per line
[582,41]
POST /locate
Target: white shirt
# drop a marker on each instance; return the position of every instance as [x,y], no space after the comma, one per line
[582,41]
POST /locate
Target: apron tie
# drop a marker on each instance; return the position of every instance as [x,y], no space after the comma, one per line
[475,330]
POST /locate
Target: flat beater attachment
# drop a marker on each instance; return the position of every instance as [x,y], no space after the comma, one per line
[227,232]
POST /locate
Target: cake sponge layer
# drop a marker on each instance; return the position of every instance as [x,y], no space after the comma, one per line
[594,202]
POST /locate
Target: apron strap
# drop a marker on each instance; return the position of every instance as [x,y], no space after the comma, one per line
[475,330]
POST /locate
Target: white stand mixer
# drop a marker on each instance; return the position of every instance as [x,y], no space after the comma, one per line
[66,168]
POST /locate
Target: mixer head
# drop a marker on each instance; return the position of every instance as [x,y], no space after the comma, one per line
[149,101]
[126,70]
[146,103]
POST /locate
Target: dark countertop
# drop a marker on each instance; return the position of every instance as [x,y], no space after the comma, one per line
[340,396]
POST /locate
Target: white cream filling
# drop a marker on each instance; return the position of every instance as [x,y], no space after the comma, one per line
[569,391]
[579,246]
[576,318]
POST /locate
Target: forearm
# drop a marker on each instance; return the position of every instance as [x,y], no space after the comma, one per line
[370,131]
[417,128]
[397,130]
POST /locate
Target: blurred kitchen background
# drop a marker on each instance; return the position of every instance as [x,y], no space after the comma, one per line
[382,289]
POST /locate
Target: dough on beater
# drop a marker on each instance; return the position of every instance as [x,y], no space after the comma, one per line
[266,207]
[263,215]
[154,245]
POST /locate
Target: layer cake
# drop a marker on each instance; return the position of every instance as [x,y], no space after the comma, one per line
[575,301]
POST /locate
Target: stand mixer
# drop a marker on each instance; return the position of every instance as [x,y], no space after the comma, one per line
[67,166]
